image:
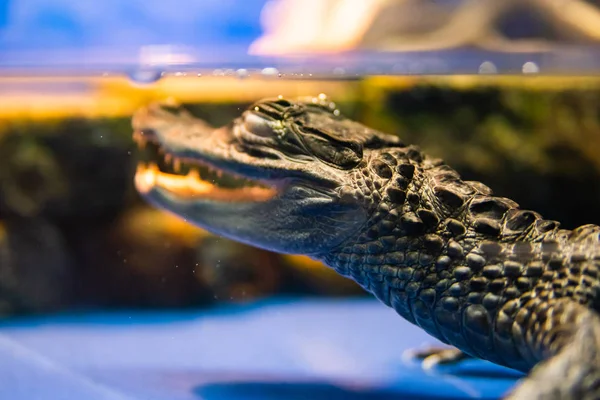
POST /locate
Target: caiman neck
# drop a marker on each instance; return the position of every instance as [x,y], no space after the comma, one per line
[426,223]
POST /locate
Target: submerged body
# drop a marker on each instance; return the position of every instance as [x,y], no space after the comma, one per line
[472,269]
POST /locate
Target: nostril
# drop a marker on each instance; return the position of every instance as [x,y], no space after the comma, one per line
[257,125]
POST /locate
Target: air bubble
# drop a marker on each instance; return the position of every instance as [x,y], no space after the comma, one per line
[270,71]
[336,112]
[145,76]
[339,71]
[242,73]
[218,72]
[530,68]
[488,67]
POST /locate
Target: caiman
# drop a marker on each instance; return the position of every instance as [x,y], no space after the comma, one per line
[472,269]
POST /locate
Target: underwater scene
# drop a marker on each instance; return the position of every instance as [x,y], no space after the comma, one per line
[283,199]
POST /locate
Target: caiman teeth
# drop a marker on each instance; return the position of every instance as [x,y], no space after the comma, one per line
[191,186]
[193,174]
[167,173]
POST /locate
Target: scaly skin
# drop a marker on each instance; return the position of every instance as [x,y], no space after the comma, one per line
[470,268]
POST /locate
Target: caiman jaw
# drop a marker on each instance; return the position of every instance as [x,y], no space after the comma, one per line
[283,170]
[191,186]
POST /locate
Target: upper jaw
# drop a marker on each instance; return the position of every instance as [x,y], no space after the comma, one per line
[177,133]
[184,136]
[190,139]
[185,139]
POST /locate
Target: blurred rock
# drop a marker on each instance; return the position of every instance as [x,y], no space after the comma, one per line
[68,171]
[147,258]
[35,267]
[96,159]
[30,176]
[333,26]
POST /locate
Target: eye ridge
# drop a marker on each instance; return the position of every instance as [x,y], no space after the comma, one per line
[338,154]
[293,111]
[282,102]
[298,137]
[353,145]
[269,111]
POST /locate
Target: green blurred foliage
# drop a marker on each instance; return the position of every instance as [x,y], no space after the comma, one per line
[72,180]
[540,147]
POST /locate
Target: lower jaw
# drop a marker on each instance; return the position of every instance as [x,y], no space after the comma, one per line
[192,187]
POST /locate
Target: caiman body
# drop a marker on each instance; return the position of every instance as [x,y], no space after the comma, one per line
[472,269]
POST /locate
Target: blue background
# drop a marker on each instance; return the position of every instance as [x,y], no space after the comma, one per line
[285,349]
[108,35]
[68,24]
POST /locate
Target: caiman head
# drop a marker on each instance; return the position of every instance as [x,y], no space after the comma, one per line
[296,167]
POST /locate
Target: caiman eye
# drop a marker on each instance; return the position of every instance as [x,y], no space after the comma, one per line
[345,155]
